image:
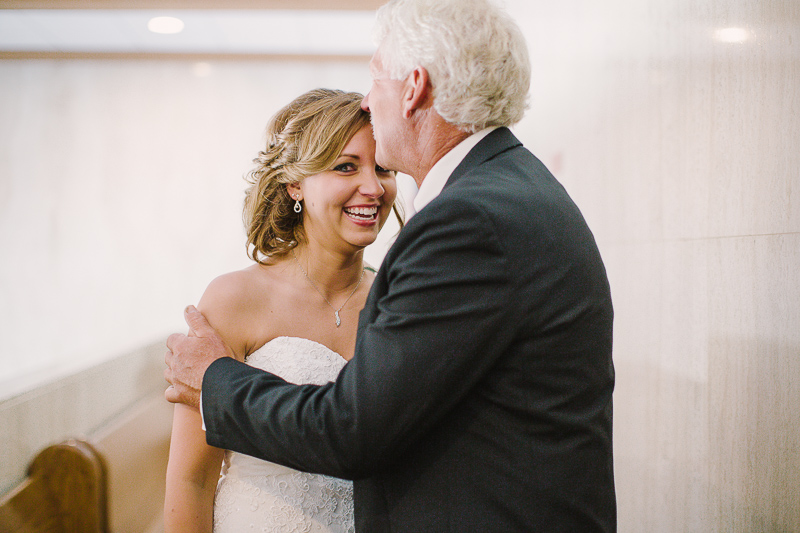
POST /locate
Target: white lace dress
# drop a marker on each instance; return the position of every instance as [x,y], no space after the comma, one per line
[255,495]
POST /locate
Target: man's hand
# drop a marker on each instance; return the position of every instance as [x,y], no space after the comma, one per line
[188,357]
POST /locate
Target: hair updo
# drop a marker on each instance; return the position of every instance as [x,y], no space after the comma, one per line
[304,138]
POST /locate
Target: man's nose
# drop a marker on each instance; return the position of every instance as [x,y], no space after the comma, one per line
[371,184]
[365,103]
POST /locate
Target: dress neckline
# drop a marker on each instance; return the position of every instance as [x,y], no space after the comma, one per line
[289,337]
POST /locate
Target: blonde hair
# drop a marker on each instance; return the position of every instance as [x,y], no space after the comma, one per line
[304,138]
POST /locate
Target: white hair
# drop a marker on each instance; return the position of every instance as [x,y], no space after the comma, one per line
[475,55]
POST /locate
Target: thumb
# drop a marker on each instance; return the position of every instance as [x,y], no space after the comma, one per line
[197,322]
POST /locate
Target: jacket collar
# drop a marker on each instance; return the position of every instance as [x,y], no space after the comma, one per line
[497,142]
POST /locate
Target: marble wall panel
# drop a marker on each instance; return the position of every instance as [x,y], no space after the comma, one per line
[754,383]
[122,192]
[682,151]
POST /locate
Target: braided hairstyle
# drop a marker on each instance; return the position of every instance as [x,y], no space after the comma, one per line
[304,138]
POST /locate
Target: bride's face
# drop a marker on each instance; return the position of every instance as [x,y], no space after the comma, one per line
[348,204]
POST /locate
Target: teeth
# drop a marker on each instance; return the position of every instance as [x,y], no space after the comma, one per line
[362,211]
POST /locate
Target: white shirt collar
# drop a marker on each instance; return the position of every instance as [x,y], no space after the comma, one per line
[437,177]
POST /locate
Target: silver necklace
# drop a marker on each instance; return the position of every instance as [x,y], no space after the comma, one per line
[335,311]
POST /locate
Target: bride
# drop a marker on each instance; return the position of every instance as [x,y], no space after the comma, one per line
[316,199]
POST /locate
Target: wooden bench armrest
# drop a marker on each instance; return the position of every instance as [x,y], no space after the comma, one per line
[66,490]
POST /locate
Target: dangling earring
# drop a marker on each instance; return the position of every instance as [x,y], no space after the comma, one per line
[297,206]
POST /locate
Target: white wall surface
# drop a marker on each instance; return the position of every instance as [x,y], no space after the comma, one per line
[121,184]
[120,188]
[684,153]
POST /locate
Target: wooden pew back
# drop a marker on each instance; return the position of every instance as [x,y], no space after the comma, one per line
[65,491]
[113,484]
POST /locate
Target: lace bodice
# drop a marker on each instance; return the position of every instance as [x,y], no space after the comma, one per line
[255,495]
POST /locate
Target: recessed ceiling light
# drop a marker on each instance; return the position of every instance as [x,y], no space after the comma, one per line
[165,25]
[301,32]
[732,35]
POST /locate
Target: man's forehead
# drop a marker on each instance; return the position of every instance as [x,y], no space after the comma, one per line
[375,64]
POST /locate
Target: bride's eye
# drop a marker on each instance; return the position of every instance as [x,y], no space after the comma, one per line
[380,170]
[344,167]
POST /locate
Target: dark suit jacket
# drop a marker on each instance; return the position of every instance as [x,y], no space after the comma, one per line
[479,397]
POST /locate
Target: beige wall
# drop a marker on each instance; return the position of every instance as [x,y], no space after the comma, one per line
[120,189]
[120,196]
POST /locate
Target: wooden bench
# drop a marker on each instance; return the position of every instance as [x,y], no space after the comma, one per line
[65,491]
[112,481]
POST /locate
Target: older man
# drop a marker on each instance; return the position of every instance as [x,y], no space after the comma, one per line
[479,396]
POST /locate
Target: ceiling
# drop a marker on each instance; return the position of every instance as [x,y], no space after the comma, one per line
[367,5]
[236,28]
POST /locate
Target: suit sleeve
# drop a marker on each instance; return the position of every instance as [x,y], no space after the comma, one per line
[440,317]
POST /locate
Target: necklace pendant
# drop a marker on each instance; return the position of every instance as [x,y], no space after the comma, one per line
[338,320]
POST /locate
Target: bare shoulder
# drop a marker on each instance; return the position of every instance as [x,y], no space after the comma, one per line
[230,287]
[235,304]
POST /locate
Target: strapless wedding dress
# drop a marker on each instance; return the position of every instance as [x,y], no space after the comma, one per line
[255,495]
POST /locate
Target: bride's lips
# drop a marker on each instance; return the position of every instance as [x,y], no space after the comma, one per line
[364,215]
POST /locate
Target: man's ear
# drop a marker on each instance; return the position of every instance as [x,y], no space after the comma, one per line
[416,92]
